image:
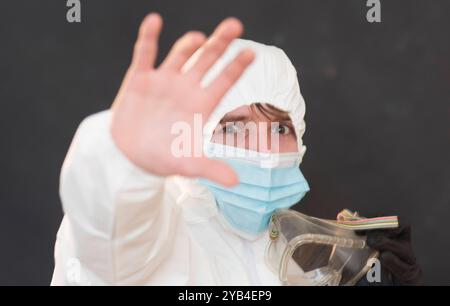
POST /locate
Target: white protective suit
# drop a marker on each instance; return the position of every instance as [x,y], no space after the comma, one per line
[123,226]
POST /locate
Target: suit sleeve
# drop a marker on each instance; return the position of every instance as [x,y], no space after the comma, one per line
[119,220]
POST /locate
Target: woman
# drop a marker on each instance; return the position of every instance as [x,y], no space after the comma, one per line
[135,212]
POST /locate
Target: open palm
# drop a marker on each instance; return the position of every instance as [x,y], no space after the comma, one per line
[151,100]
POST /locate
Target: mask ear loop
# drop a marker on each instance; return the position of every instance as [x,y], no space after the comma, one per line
[268,253]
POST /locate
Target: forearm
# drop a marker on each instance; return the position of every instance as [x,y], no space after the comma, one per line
[114,209]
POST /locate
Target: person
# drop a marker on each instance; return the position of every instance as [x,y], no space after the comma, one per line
[136,213]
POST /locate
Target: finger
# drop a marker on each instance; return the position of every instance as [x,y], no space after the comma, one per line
[228,77]
[217,171]
[360,232]
[379,241]
[146,47]
[182,50]
[406,273]
[403,232]
[225,33]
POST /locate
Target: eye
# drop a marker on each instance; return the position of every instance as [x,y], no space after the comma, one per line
[231,128]
[282,129]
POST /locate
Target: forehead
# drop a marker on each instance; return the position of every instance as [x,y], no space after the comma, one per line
[240,111]
[256,111]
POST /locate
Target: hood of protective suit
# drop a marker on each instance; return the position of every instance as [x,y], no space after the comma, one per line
[271,79]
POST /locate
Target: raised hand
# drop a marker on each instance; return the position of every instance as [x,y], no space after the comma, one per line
[151,100]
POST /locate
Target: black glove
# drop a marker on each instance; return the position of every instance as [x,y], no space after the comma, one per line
[396,257]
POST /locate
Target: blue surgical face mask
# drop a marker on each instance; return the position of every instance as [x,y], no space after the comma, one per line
[267,182]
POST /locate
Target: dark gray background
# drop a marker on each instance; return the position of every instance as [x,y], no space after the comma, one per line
[377,97]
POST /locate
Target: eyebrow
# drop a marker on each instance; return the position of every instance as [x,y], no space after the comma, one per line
[288,123]
[234,118]
[243,118]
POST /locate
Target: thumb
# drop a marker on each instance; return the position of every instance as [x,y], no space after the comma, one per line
[218,172]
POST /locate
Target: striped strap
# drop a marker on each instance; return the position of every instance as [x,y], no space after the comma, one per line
[351,220]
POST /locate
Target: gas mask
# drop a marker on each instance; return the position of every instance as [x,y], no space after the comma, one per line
[309,251]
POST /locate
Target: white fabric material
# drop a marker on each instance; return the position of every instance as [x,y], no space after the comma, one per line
[271,78]
[123,226]
[260,159]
